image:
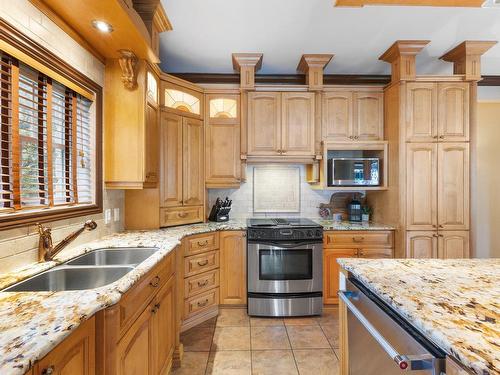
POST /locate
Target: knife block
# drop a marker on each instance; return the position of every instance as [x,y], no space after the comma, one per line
[219,214]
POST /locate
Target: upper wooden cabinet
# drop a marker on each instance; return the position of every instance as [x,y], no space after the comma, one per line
[353,115]
[281,124]
[222,141]
[193,183]
[437,112]
[171,130]
[131,129]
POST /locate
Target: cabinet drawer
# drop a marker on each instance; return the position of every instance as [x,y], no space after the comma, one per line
[135,300]
[201,243]
[197,264]
[201,283]
[201,302]
[356,239]
[375,253]
[180,215]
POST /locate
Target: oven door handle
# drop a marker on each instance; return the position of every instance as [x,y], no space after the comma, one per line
[287,245]
[404,362]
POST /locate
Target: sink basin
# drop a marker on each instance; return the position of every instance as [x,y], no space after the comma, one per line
[114,256]
[70,278]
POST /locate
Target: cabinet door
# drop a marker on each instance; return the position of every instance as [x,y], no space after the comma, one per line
[134,351]
[193,162]
[337,115]
[421,185]
[421,245]
[421,112]
[164,327]
[368,116]
[453,112]
[74,356]
[297,128]
[171,160]
[152,146]
[331,271]
[264,123]
[453,186]
[233,268]
[453,245]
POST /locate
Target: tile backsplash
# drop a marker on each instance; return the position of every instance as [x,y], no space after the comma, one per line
[310,199]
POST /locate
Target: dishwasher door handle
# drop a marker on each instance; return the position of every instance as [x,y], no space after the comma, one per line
[404,362]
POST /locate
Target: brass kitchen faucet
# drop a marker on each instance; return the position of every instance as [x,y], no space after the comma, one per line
[46,250]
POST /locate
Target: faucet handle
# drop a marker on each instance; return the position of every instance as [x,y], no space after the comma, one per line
[90,225]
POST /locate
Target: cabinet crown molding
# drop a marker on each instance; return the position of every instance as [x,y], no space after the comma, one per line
[247,59]
[468,48]
[316,60]
[403,47]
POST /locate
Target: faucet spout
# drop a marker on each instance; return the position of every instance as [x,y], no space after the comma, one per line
[46,250]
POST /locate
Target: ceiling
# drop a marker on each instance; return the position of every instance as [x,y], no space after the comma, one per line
[206,33]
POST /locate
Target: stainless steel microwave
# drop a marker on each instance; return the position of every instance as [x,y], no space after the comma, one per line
[353,172]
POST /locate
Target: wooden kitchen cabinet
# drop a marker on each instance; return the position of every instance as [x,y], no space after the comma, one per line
[264,123]
[453,245]
[297,127]
[164,325]
[331,271]
[222,141]
[453,111]
[171,160]
[73,356]
[193,182]
[453,186]
[453,368]
[338,115]
[421,185]
[368,116]
[421,244]
[233,268]
[281,124]
[421,112]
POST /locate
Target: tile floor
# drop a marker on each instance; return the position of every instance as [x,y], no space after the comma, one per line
[234,344]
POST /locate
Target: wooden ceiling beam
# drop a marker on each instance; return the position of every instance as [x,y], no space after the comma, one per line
[431,3]
[313,66]
[466,58]
[401,55]
[247,64]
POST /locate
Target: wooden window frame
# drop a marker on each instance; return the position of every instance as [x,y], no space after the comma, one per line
[32,49]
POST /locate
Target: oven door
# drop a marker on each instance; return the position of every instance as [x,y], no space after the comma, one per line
[285,267]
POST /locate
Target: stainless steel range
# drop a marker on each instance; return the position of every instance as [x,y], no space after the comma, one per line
[285,267]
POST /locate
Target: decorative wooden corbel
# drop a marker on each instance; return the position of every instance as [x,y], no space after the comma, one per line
[313,65]
[128,63]
[466,58]
[247,64]
[401,56]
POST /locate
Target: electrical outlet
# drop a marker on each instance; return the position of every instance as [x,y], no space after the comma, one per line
[116,214]
[107,216]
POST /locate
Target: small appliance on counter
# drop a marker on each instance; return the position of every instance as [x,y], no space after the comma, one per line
[220,210]
[354,211]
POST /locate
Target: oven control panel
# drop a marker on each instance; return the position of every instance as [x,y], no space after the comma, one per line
[283,234]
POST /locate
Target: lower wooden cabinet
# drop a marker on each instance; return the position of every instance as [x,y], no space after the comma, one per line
[453,368]
[233,268]
[74,356]
[437,244]
[331,271]
[164,326]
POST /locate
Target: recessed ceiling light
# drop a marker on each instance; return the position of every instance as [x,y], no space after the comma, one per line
[102,26]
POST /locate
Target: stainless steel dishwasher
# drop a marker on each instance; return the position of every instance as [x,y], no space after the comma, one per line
[382,342]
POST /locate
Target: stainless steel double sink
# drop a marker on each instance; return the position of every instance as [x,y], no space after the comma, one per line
[91,270]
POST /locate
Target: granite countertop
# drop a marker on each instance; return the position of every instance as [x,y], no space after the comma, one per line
[25,317]
[454,303]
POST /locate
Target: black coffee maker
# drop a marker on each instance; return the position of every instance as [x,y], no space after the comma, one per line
[354,210]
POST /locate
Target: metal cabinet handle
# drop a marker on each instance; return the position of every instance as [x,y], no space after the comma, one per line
[358,239]
[201,304]
[182,214]
[435,136]
[361,252]
[441,137]
[201,264]
[155,282]
[283,151]
[202,284]
[48,371]
[205,243]
[405,362]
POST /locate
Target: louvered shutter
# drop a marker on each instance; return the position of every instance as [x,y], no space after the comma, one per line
[6,186]
[84,149]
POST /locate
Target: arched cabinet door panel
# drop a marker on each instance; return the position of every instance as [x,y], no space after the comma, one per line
[421,112]
[453,112]
[422,244]
[453,245]
[368,116]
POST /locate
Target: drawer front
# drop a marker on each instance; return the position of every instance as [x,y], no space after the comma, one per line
[135,300]
[201,302]
[375,253]
[201,243]
[201,283]
[356,239]
[180,215]
[197,264]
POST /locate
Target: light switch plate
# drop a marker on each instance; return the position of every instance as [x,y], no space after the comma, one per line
[107,216]
[116,214]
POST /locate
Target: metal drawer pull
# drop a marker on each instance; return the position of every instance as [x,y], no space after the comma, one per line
[205,243]
[155,282]
[358,239]
[48,371]
[201,264]
[155,308]
[201,304]
[182,214]
[202,284]
[404,362]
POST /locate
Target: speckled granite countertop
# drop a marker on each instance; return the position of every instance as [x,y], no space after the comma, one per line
[454,303]
[346,225]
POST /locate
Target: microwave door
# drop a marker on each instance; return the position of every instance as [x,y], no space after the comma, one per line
[354,172]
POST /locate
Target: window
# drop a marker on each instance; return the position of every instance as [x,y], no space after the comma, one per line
[223,108]
[47,146]
[182,101]
[152,87]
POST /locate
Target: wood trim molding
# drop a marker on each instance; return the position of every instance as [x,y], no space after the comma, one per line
[128,64]
[401,56]
[432,3]
[313,65]
[466,58]
[247,64]
[29,47]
